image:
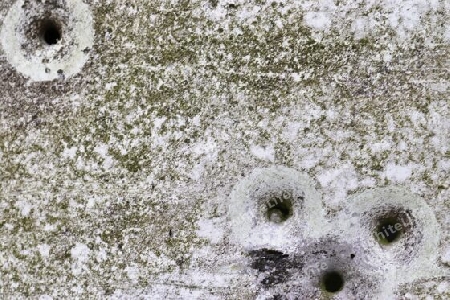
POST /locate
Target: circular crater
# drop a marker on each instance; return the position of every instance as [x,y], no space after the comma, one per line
[397,227]
[391,225]
[270,207]
[398,231]
[44,39]
[277,204]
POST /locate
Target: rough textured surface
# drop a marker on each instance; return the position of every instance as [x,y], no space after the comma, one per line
[117,179]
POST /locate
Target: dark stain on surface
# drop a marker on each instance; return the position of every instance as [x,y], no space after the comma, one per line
[275,264]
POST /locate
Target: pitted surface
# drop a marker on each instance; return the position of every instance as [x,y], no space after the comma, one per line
[116,178]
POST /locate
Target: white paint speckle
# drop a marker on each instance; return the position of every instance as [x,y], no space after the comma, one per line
[446,255]
[443,287]
[44,250]
[80,252]
[398,173]
[208,229]
[338,182]
[359,27]
[70,152]
[132,273]
[102,150]
[263,152]
[380,146]
[25,207]
[318,20]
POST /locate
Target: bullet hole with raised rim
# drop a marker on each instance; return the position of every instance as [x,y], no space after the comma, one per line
[391,225]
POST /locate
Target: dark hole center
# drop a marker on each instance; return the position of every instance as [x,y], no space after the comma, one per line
[51,32]
[387,231]
[333,281]
[279,209]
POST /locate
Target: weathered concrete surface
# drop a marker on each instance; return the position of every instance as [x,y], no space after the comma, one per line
[117,179]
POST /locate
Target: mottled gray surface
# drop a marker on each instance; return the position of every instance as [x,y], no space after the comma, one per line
[117,180]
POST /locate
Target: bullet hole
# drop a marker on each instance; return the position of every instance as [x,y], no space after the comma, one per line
[279,209]
[332,281]
[352,256]
[388,230]
[391,224]
[50,32]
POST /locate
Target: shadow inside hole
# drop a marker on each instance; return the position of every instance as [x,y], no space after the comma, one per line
[332,281]
[50,32]
[388,230]
[279,209]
